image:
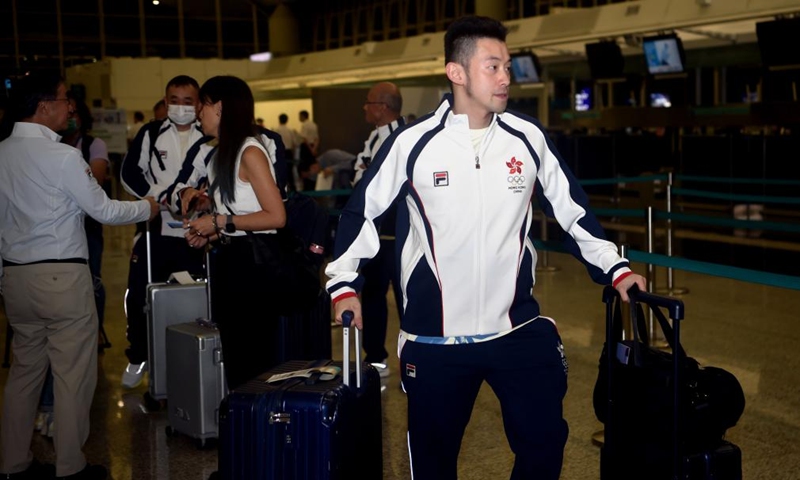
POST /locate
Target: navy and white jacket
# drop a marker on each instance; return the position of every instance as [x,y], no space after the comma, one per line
[465,255]
[147,169]
[373,144]
[194,172]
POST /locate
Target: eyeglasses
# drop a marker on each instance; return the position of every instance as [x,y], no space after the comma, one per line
[58,100]
[374,103]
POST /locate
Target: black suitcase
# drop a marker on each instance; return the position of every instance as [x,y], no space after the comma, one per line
[304,428]
[634,449]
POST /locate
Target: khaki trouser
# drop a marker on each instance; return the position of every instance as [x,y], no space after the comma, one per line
[50,307]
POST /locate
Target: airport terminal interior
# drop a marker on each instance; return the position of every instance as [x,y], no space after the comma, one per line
[746,328]
[686,107]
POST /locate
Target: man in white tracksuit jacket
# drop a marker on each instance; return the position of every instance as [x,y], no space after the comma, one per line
[466,175]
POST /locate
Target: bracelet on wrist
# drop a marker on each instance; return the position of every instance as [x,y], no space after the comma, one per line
[214,223]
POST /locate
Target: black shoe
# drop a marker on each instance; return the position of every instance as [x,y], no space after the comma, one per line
[36,471]
[90,472]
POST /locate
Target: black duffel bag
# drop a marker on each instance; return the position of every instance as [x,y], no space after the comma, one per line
[711,399]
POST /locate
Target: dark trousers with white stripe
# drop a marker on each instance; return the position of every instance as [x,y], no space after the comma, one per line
[527,371]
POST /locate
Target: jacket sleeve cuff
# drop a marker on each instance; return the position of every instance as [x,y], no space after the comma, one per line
[341,297]
[623,274]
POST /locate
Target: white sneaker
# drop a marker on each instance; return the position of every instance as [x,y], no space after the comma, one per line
[382,368]
[133,375]
[51,425]
[41,421]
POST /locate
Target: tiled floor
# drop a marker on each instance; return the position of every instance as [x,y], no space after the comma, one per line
[751,330]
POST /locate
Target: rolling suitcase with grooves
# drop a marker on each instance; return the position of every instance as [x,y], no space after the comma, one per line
[304,428]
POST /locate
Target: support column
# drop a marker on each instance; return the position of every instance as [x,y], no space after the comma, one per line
[492,9]
[16,34]
[142,31]
[181,31]
[101,17]
[284,36]
[218,11]
[60,38]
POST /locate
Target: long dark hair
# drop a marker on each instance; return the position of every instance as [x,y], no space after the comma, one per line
[236,123]
[84,115]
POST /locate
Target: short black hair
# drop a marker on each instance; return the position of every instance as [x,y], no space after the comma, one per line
[28,91]
[304,113]
[138,116]
[183,81]
[159,104]
[283,118]
[459,41]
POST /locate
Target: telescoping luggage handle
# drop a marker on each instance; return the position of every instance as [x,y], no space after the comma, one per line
[208,272]
[347,319]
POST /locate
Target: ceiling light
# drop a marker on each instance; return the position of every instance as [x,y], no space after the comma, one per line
[261,57]
[156,2]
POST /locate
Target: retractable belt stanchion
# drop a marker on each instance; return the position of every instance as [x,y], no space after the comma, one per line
[671,289]
[655,339]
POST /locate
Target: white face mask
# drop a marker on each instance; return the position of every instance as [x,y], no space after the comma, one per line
[182,114]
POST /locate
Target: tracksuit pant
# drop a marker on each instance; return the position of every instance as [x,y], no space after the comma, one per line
[526,369]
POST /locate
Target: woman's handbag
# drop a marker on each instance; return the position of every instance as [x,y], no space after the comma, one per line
[292,257]
[294,276]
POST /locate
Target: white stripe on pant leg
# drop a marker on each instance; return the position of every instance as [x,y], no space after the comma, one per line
[410,460]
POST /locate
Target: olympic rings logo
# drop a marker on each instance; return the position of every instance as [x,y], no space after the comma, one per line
[516,179]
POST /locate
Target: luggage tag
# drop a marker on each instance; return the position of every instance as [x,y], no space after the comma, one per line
[623,353]
[325,373]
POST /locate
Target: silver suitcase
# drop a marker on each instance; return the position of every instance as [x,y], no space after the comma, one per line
[196,380]
[167,304]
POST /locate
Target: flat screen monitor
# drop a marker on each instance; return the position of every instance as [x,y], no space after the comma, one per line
[525,68]
[778,40]
[664,54]
[583,99]
[605,60]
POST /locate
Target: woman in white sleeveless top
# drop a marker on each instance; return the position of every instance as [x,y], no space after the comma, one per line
[246,203]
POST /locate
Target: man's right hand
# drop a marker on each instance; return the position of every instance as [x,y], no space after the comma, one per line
[352,304]
[154,207]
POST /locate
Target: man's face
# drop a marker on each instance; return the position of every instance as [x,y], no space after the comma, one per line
[487,77]
[58,110]
[182,95]
[373,108]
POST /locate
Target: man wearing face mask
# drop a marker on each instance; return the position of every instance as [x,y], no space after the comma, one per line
[151,165]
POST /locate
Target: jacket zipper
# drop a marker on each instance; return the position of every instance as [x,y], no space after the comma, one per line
[481,234]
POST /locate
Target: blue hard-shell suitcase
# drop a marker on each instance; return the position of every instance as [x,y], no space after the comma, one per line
[302,428]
